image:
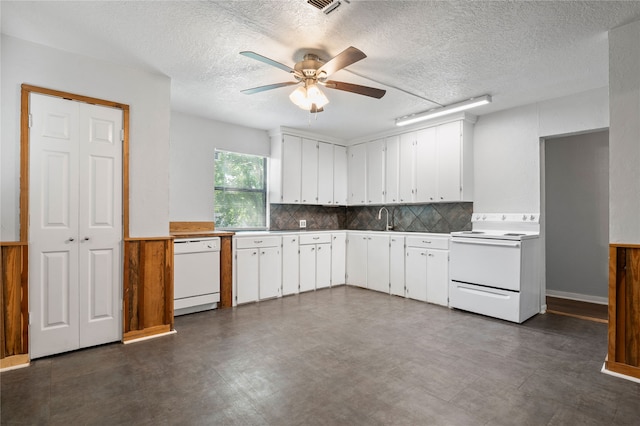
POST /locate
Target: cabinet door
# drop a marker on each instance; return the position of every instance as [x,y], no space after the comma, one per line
[290,265]
[438,277]
[309,172]
[338,258]
[357,260]
[416,273]
[375,172]
[291,168]
[357,174]
[426,166]
[392,158]
[307,267]
[340,175]
[406,182]
[323,265]
[247,273]
[270,272]
[396,266]
[325,173]
[449,138]
[378,263]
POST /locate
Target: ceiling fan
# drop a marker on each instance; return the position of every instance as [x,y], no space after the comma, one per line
[311,72]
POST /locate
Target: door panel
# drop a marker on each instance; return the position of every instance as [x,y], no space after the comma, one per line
[270,272]
[247,275]
[53,228]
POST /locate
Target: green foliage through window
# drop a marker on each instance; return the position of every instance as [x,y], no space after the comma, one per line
[240,190]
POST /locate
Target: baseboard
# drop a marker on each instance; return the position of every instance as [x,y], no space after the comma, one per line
[152,336]
[619,375]
[14,362]
[578,297]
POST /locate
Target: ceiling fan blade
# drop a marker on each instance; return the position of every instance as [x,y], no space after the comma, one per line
[355,88]
[347,57]
[267,87]
[264,59]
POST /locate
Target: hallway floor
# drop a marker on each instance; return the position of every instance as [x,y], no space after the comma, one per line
[341,356]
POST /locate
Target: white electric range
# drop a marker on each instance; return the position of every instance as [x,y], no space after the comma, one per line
[494,269]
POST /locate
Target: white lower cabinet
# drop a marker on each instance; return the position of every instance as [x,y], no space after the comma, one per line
[396,265]
[338,258]
[290,264]
[427,269]
[258,268]
[315,261]
[368,261]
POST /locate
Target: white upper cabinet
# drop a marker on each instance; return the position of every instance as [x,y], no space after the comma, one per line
[451,163]
[291,156]
[392,163]
[325,174]
[340,175]
[357,159]
[426,166]
[406,179]
[375,172]
[309,172]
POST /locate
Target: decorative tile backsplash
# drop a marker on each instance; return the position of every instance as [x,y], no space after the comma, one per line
[438,217]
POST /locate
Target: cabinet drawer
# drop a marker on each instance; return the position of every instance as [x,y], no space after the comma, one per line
[488,301]
[315,238]
[428,242]
[254,242]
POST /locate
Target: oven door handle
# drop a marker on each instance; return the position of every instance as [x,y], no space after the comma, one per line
[486,242]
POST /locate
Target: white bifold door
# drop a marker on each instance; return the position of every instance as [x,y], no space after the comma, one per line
[75,226]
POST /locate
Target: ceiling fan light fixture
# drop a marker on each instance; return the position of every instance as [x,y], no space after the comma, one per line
[446,110]
[306,97]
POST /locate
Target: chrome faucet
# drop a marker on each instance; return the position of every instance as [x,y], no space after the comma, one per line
[388,226]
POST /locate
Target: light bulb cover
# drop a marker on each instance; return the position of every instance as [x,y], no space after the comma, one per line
[446,110]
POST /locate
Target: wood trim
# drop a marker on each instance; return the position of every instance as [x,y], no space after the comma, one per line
[24,165]
[73,96]
[226,272]
[191,226]
[611,332]
[149,331]
[125,173]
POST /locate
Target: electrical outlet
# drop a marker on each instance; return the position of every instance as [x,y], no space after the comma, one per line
[303,223]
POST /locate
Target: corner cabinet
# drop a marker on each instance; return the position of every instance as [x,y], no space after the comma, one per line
[305,170]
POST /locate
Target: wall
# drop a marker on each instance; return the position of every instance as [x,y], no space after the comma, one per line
[577,214]
[148,96]
[507,148]
[193,143]
[624,134]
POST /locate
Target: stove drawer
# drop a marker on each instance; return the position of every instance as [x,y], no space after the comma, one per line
[485,300]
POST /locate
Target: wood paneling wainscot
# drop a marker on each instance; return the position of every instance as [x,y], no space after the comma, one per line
[624,310]
[148,287]
[14,308]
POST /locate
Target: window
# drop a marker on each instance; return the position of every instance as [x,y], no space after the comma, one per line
[240,191]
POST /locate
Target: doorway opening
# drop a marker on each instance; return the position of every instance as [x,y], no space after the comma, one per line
[575,200]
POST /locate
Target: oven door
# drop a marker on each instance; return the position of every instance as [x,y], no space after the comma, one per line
[486,262]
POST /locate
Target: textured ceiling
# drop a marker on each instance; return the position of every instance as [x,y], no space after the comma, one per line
[446,51]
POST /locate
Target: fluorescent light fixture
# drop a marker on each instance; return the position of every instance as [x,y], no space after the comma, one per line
[446,110]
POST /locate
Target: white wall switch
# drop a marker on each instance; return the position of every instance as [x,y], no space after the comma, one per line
[303,223]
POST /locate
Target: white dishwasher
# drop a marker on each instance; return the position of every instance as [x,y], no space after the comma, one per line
[196,279]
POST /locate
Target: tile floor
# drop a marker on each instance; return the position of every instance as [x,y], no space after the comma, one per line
[341,356]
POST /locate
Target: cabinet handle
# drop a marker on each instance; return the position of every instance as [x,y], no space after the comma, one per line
[423,254]
[262,252]
[86,239]
[319,248]
[427,242]
[316,238]
[71,239]
[313,248]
